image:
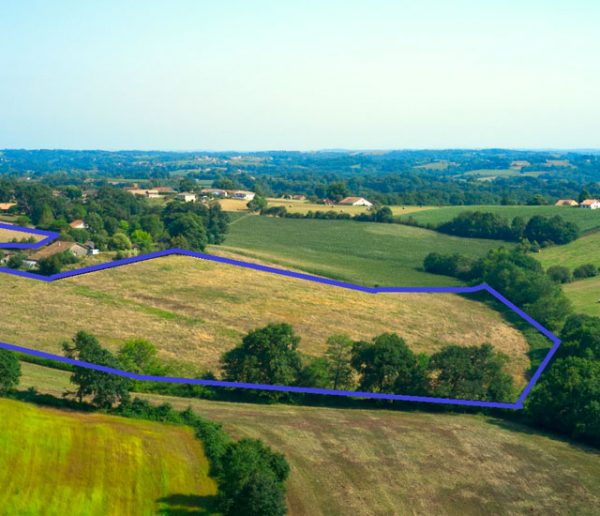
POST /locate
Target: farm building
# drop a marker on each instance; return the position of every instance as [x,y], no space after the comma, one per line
[566,202]
[216,192]
[186,197]
[590,204]
[164,190]
[355,201]
[242,195]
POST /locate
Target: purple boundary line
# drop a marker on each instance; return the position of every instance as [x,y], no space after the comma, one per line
[297,275]
[50,236]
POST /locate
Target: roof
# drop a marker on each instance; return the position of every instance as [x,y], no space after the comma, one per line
[350,200]
[566,201]
[55,248]
[589,202]
[7,205]
[76,223]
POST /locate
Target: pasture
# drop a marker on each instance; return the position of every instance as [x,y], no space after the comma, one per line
[194,310]
[63,462]
[361,252]
[585,295]
[587,220]
[9,235]
[579,252]
[367,462]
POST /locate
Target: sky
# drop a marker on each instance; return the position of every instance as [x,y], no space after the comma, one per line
[299,75]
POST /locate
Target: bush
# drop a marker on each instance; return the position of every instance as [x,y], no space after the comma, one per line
[589,270]
[10,370]
[559,274]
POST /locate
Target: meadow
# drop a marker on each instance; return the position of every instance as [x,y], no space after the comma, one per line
[587,220]
[194,310]
[379,461]
[585,295]
[360,252]
[8,235]
[64,462]
[579,252]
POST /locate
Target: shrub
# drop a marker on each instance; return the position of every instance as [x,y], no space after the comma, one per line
[587,270]
[559,274]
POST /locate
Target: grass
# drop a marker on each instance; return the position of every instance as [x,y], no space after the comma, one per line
[579,252]
[585,295]
[8,235]
[63,462]
[194,310]
[360,252]
[587,220]
[367,462]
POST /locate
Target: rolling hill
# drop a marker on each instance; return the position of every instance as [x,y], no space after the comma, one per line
[63,462]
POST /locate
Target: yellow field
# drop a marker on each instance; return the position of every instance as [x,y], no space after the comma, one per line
[194,310]
[62,462]
[294,206]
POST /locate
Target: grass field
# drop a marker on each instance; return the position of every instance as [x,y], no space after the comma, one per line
[585,295]
[365,462]
[8,235]
[360,252]
[579,252]
[63,462]
[194,310]
[587,220]
[295,206]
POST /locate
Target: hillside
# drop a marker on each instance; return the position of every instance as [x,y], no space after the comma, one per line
[587,220]
[360,252]
[585,295]
[367,462]
[63,462]
[193,310]
[579,252]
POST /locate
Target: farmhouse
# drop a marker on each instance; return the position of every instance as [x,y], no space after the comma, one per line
[566,202]
[355,201]
[590,204]
[164,190]
[216,192]
[74,248]
[78,224]
[186,197]
[5,206]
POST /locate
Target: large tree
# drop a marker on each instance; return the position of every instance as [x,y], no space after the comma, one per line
[10,370]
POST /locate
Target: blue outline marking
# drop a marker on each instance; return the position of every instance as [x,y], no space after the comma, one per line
[50,236]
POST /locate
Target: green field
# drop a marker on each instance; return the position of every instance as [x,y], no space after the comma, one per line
[585,295]
[579,252]
[587,220]
[63,462]
[366,462]
[360,252]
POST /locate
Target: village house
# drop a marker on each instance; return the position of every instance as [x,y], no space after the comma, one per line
[164,190]
[355,201]
[590,204]
[566,202]
[186,197]
[78,224]
[77,250]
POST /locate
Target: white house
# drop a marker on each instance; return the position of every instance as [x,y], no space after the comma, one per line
[590,204]
[242,195]
[355,201]
[78,224]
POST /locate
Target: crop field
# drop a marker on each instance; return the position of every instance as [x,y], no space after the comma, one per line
[194,310]
[296,206]
[63,462]
[367,462]
[587,220]
[579,252]
[360,252]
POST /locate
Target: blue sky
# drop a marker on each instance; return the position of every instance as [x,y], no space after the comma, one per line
[262,74]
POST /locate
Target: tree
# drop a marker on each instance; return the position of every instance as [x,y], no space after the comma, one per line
[119,242]
[388,365]
[142,240]
[559,274]
[580,337]
[252,479]
[584,194]
[339,357]
[140,356]
[257,204]
[555,230]
[106,389]
[587,270]
[266,355]
[190,229]
[51,265]
[337,191]
[315,374]
[473,372]
[10,370]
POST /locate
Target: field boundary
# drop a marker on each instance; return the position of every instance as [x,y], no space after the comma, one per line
[291,274]
[50,236]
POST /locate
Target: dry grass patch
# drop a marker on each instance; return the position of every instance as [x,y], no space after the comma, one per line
[194,310]
[8,235]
